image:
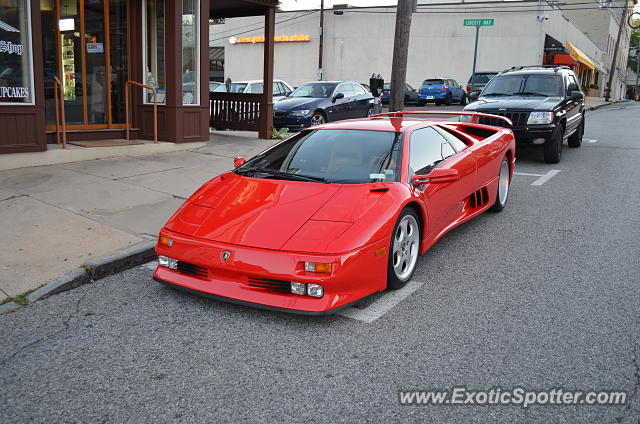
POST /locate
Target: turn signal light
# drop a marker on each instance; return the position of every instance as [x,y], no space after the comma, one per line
[165,241]
[324,268]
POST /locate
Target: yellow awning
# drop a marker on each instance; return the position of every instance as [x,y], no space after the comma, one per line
[578,55]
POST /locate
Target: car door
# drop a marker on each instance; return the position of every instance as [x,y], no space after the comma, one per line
[429,149]
[362,101]
[457,91]
[338,108]
[410,95]
[573,107]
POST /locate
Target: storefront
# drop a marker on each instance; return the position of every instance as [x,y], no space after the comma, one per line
[87,50]
[555,53]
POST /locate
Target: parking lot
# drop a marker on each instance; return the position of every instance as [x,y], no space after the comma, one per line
[542,295]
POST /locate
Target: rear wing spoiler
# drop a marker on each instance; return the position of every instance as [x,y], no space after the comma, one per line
[474,115]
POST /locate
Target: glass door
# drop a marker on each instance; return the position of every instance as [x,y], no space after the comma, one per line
[90,57]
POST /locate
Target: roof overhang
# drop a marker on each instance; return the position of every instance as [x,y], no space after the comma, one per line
[238,8]
[578,55]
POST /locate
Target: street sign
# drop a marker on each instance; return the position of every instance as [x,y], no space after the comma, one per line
[478,22]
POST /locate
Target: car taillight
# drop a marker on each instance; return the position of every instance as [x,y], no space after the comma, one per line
[444,88]
[468,88]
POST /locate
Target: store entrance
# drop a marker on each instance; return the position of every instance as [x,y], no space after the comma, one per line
[85,46]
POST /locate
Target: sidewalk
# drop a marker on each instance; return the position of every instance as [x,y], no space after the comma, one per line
[57,217]
[593,103]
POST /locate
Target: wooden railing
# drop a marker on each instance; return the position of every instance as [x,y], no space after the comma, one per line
[61,125]
[234,111]
[155,107]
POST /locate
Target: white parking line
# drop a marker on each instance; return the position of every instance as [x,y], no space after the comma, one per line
[590,140]
[528,175]
[382,305]
[546,177]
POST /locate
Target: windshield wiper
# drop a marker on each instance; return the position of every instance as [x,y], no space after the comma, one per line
[284,175]
[495,94]
[530,93]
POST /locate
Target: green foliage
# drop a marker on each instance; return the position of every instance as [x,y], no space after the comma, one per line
[280,134]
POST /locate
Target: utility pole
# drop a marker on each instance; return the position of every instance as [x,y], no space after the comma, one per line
[319,75]
[404,12]
[623,21]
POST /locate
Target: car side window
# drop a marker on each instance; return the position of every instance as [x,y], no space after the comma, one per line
[427,148]
[342,88]
[409,88]
[257,88]
[454,83]
[277,89]
[573,84]
[458,145]
[359,91]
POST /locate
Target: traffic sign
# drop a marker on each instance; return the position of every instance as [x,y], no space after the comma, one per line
[478,22]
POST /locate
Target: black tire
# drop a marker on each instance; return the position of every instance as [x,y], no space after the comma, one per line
[393,282]
[500,204]
[421,103]
[448,99]
[575,140]
[463,100]
[369,112]
[553,147]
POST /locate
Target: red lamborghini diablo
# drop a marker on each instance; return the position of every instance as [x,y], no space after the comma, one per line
[336,212]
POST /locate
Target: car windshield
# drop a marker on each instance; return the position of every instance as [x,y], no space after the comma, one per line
[481,78]
[508,85]
[236,87]
[433,82]
[316,90]
[331,156]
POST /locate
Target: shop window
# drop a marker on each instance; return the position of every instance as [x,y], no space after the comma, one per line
[16,69]
[190,52]
[154,62]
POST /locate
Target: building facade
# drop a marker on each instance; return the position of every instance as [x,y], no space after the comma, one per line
[77,56]
[359,42]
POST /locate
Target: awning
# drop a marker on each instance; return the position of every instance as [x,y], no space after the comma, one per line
[578,55]
[563,59]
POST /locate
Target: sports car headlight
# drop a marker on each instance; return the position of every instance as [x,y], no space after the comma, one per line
[465,118]
[299,113]
[167,262]
[315,290]
[540,118]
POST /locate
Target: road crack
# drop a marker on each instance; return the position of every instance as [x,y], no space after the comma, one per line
[65,325]
[636,385]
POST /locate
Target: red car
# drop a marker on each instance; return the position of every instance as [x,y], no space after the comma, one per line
[335,213]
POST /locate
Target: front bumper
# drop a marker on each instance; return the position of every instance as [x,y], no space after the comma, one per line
[294,123]
[527,134]
[357,274]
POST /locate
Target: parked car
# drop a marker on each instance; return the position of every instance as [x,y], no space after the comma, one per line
[410,95]
[442,91]
[315,103]
[545,105]
[478,80]
[213,85]
[280,88]
[335,213]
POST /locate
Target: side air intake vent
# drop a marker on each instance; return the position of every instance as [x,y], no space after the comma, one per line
[479,198]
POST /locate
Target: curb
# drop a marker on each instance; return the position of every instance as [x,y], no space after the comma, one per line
[91,271]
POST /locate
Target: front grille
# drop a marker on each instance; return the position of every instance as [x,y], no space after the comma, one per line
[192,269]
[279,114]
[265,283]
[519,119]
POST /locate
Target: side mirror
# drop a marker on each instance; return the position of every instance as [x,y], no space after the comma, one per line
[338,96]
[238,161]
[437,176]
[576,95]
[473,96]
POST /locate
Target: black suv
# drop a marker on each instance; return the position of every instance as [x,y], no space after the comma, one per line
[545,104]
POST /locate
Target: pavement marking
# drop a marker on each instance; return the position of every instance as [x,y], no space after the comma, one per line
[383,305]
[546,177]
[527,174]
[151,265]
[590,140]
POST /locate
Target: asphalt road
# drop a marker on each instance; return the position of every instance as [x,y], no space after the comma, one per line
[542,295]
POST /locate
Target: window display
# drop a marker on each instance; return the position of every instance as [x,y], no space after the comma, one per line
[16,85]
